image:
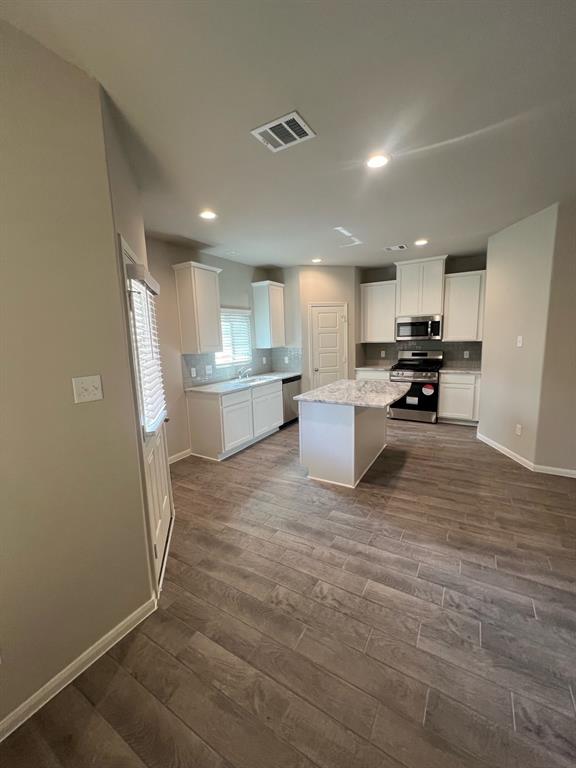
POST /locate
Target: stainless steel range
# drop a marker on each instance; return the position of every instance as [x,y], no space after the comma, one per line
[420,368]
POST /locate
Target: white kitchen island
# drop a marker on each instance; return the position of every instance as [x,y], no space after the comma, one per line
[343,428]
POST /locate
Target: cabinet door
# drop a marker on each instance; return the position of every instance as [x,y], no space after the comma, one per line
[207,299]
[237,423]
[408,285]
[372,375]
[268,411]
[432,287]
[378,311]
[456,401]
[476,415]
[277,333]
[462,298]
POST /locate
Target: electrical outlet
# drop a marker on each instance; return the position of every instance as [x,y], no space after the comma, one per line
[208,370]
[286,360]
[87,388]
[263,361]
[466,354]
[192,373]
[382,353]
[519,341]
[518,429]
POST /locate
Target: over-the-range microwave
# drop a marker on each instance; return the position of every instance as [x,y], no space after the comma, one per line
[419,327]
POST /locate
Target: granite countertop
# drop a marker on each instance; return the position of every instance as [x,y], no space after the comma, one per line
[363,394]
[451,367]
[237,385]
[460,367]
[376,366]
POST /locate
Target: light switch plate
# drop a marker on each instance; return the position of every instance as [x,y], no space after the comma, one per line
[87,388]
[518,429]
[263,361]
[208,370]
[466,354]
[192,373]
[286,360]
[519,341]
[382,353]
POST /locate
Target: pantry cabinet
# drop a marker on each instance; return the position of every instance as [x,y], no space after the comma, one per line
[459,397]
[198,297]
[378,307]
[269,327]
[420,287]
[464,306]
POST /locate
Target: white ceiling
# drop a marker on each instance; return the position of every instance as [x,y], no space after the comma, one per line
[474,101]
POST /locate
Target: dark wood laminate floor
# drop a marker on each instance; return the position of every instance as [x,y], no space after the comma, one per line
[426,619]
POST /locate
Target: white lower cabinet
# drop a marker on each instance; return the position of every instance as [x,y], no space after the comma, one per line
[221,424]
[459,396]
[267,409]
[237,424]
[376,375]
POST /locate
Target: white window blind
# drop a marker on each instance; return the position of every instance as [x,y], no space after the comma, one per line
[236,337]
[147,348]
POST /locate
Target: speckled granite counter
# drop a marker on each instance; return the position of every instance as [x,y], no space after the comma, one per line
[361,394]
[343,428]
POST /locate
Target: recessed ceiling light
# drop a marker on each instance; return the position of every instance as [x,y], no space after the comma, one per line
[316,261]
[421,241]
[377,161]
[208,215]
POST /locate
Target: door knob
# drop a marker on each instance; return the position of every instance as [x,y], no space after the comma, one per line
[315,370]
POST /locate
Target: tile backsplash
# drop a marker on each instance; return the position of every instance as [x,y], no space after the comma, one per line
[263,361]
[453,350]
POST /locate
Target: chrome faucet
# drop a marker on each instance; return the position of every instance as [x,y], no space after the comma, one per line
[243,372]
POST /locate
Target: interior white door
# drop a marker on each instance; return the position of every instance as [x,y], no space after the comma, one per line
[158,493]
[328,343]
[151,406]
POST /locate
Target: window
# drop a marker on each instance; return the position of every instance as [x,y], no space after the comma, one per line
[147,351]
[236,337]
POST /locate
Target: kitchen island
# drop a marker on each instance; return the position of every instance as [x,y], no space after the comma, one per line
[343,428]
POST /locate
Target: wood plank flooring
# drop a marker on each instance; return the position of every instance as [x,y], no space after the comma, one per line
[426,619]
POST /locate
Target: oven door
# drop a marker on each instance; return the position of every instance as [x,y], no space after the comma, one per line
[420,403]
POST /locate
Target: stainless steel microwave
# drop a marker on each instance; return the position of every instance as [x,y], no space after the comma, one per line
[419,327]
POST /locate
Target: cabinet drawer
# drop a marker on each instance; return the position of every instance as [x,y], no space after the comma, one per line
[373,375]
[457,378]
[263,390]
[233,398]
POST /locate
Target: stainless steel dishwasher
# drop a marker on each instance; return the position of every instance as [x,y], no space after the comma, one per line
[290,388]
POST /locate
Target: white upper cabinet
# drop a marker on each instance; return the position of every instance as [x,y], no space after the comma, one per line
[198,294]
[378,302]
[269,314]
[464,306]
[420,287]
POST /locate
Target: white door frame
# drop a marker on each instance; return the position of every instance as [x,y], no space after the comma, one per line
[127,256]
[311,305]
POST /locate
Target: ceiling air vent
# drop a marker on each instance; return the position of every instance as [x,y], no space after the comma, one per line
[401,247]
[284,132]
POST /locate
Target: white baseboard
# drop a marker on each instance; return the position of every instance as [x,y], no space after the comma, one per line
[561,471]
[69,673]
[179,456]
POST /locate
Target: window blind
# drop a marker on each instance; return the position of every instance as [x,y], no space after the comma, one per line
[236,337]
[147,348]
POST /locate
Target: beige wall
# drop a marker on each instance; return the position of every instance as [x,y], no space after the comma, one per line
[235,291]
[74,555]
[519,269]
[328,284]
[126,207]
[556,445]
